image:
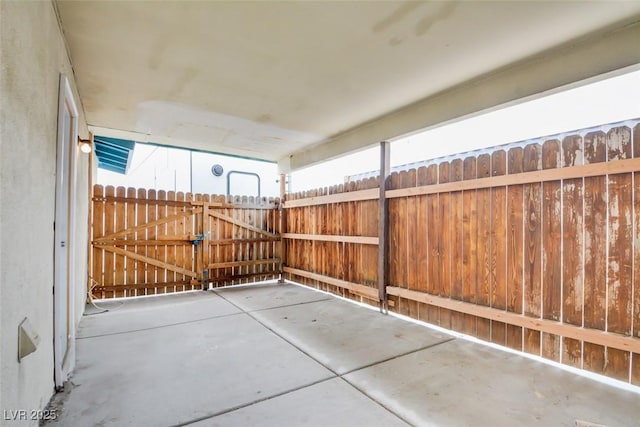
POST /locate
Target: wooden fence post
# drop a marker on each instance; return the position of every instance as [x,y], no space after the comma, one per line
[383,226]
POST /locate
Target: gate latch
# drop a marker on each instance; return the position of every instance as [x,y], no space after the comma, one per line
[198,239]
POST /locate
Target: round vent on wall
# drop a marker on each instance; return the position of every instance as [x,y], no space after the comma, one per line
[217,170]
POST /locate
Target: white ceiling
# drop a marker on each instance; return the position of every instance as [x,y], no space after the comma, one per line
[297,82]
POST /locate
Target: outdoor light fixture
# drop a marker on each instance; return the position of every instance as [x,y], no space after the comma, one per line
[85,145]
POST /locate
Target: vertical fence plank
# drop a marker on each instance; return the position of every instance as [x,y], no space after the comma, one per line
[433,313]
[130,222]
[572,249]
[360,224]
[152,234]
[189,224]
[394,233]
[412,241]
[401,244]
[109,228]
[172,255]
[595,251]
[444,288]
[141,218]
[532,247]
[348,214]
[245,255]
[120,224]
[259,247]
[457,319]
[181,249]
[313,227]
[635,363]
[231,233]
[469,245]
[498,284]
[484,246]
[422,255]
[620,256]
[161,231]
[551,248]
[323,226]
[98,231]
[371,211]
[515,245]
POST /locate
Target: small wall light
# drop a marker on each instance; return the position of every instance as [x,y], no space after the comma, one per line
[85,145]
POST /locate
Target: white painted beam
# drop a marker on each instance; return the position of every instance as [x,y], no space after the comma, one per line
[583,61]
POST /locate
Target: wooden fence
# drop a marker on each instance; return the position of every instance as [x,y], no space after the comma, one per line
[148,242]
[333,244]
[534,246]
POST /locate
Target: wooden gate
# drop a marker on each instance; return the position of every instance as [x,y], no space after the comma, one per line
[148,242]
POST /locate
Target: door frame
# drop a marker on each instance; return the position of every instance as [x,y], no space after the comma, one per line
[64,235]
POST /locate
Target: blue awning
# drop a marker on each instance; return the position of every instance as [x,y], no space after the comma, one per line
[113,154]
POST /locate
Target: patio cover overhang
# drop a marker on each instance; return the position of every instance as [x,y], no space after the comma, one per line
[303,82]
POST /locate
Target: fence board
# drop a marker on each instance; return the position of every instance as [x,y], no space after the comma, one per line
[551,248]
[635,317]
[532,247]
[97,222]
[422,243]
[572,250]
[130,266]
[433,313]
[484,271]
[620,255]
[412,241]
[498,283]
[109,227]
[515,246]
[444,214]
[595,255]
[457,319]
[470,244]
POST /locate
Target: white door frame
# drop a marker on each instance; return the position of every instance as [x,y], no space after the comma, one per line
[64,235]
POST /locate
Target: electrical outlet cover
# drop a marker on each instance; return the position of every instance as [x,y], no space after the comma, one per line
[28,339]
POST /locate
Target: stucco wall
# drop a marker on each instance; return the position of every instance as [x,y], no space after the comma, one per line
[32,56]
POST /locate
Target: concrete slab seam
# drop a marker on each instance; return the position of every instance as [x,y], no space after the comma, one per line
[398,356]
[279,306]
[151,328]
[254,402]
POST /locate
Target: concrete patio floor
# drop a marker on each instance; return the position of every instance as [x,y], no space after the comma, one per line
[285,355]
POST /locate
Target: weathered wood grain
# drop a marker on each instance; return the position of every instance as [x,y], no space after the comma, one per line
[532,247]
[469,243]
[515,246]
[484,268]
[498,283]
[595,250]
[572,249]
[551,247]
[433,314]
[456,174]
[620,254]
[444,216]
